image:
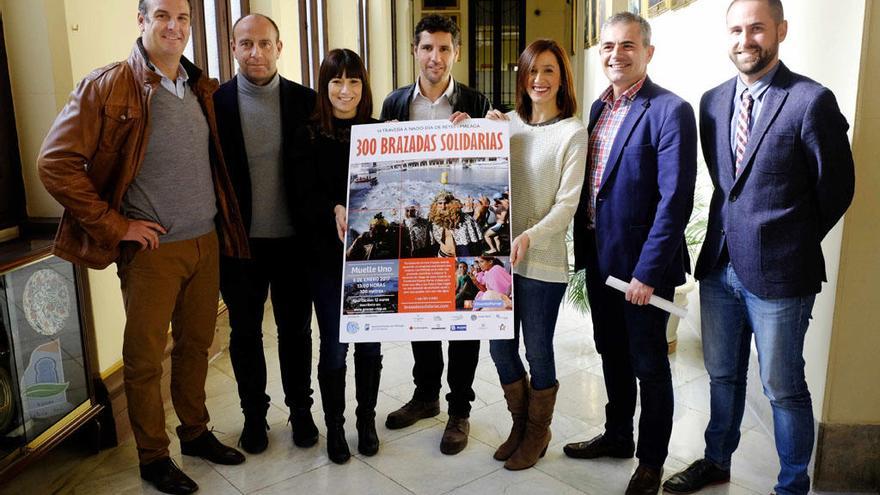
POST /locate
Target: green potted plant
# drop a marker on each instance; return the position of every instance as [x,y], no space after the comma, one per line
[694,234]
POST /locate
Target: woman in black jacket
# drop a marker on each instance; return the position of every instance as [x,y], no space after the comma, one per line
[344,100]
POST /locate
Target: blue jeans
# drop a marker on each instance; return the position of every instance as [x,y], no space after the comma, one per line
[730,316]
[536,307]
[326,287]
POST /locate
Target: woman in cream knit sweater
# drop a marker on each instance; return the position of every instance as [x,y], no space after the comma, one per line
[548,147]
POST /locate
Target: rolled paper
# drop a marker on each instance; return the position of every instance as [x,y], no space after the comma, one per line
[659,302]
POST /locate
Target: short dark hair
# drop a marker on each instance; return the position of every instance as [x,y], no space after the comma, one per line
[565,98]
[342,62]
[630,18]
[274,25]
[437,23]
[142,6]
[776,9]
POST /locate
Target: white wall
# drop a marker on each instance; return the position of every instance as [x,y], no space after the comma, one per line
[39,71]
[99,32]
[380,52]
[824,42]
[342,24]
[343,31]
[405,61]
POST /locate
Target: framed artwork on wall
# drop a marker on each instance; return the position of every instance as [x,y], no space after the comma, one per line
[441,4]
[599,10]
[677,4]
[455,16]
[591,35]
[634,6]
[653,8]
[603,11]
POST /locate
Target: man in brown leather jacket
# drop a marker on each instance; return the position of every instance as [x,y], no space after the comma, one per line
[134,159]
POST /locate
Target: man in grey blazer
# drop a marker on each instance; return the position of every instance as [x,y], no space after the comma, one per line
[776,147]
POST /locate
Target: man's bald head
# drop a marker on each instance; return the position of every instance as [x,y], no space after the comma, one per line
[257,18]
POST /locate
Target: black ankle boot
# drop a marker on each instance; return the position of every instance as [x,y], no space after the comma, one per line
[337,446]
[367,370]
[253,438]
[305,433]
[332,385]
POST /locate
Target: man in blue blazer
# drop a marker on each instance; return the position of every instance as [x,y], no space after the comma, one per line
[630,224]
[258,112]
[776,147]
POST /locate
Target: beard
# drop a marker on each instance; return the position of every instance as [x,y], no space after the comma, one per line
[760,61]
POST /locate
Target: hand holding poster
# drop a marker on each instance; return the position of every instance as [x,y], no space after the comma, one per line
[428,241]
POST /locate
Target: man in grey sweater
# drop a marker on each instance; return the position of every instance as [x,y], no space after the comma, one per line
[257,114]
[133,158]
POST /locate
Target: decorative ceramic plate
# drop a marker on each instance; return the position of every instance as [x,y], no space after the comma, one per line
[46,302]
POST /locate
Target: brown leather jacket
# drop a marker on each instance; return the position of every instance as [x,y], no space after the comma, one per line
[95,149]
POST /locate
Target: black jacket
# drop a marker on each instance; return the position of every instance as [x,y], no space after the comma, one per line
[297,104]
[463,99]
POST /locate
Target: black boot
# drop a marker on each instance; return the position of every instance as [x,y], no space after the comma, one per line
[296,378]
[305,433]
[333,400]
[253,435]
[367,370]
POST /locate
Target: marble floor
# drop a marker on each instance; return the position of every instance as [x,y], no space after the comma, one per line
[409,460]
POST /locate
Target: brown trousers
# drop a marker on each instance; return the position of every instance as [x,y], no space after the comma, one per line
[177,283]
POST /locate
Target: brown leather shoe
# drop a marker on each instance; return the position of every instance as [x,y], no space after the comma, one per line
[455,437]
[537,437]
[517,396]
[645,481]
[411,412]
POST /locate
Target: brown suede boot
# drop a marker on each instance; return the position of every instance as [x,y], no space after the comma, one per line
[517,396]
[537,437]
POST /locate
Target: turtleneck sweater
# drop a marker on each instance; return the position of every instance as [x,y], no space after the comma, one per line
[260,109]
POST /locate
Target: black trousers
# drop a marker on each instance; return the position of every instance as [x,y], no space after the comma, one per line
[632,342]
[326,287]
[245,285]
[428,371]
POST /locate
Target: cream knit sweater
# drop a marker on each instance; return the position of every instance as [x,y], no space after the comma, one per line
[547,166]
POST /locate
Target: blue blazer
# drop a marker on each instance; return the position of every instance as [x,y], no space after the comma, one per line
[796,183]
[646,194]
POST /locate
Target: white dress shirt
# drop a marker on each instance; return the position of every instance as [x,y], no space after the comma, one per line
[422,108]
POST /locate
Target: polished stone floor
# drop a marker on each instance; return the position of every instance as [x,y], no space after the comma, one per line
[409,460]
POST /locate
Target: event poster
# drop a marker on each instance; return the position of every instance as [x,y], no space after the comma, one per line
[427,252]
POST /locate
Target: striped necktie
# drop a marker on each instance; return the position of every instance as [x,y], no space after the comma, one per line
[742,129]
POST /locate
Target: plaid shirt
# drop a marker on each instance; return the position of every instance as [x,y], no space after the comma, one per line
[602,138]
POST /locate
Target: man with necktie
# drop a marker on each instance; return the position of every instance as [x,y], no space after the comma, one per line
[776,147]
